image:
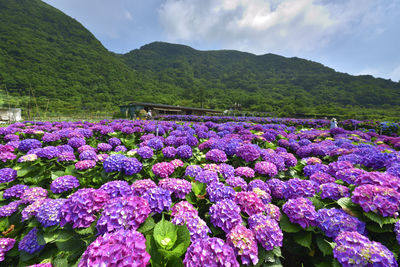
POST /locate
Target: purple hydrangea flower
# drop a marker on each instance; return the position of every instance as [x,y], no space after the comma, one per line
[28,158]
[145,152]
[244,243]
[248,152]
[85,164]
[48,152]
[66,156]
[50,137]
[300,210]
[266,230]
[15,191]
[32,209]
[6,244]
[76,142]
[155,143]
[273,211]
[32,194]
[163,169]
[216,155]
[334,191]
[28,144]
[266,168]
[123,213]
[63,184]
[182,211]
[277,187]
[193,170]
[158,198]
[48,214]
[333,221]
[244,171]
[179,187]
[225,214]
[29,242]
[218,191]
[10,208]
[226,170]
[114,163]
[237,181]
[321,178]
[81,207]
[121,248]
[257,183]
[104,147]
[7,175]
[184,152]
[169,152]
[141,186]
[249,202]
[210,252]
[6,156]
[88,155]
[117,188]
[197,227]
[378,199]
[132,166]
[207,176]
[350,175]
[114,141]
[354,249]
[296,187]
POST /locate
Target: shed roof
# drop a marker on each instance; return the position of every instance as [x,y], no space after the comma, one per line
[163,106]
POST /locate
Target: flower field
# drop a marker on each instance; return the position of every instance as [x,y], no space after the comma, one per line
[199,192]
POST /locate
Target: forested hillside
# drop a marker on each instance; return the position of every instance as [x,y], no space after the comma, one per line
[50,60]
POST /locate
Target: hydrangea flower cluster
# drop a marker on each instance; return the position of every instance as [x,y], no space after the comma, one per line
[334,191]
[178,187]
[245,172]
[248,152]
[141,186]
[225,214]
[114,163]
[28,144]
[7,175]
[378,199]
[184,152]
[244,243]
[207,176]
[182,211]
[5,245]
[123,248]
[48,214]
[63,184]
[158,198]
[218,191]
[277,188]
[81,207]
[193,170]
[145,152]
[300,210]
[29,242]
[267,231]
[169,152]
[216,155]
[15,191]
[321,178]
[33,194]
[210,252]
[85,164]
[273,212]
[249,203]
[334,221]
[177,163]
[117,188]
[266,168]
[236,181]
[123,213]
[32,209]
[354,249]
[29,158]
[10,208]
[163,169]
[296,187]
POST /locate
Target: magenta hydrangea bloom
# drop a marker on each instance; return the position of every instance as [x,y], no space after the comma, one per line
[123,248]
[210,252]
[266,230]
[64,184]
[177,163]
[244,243]
[158,198]
[225,214]
[5,245]
[354,249]
[333,221]
[378,199]
[181,211]
[178,187]
[85,164]
[216,155]
[7,175]
[141,186]
[266,168]
[81,207]
[300,210]
[249,202]
[163,169]
[123,213]
[248,152]
[321,178]
[273,211]
[6,156]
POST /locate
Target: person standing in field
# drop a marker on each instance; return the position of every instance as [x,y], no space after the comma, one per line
[333,123]
[148,115]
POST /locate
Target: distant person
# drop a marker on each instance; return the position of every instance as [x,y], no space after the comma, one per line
[148,115]
[333,123]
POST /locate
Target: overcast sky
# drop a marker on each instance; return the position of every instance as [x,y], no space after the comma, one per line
[353,36]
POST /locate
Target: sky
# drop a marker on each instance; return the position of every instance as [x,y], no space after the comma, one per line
[359,37]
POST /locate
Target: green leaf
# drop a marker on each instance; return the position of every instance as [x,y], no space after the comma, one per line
[55,175]
[151,248]
[287,226]
[147,226]
[277,251]
[70,170]
[199,188]
[373,227]
[70,245]
[182,241]
[24,171]
[348,206]
[165,234]
[379,219]
[318,204]
[175,262]
[60,261]
[303,238]
[324,246]
[3,224]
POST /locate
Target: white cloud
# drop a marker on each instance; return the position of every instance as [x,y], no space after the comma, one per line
[260,26]
[395,74]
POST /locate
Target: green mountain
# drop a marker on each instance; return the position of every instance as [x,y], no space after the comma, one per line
[50,61]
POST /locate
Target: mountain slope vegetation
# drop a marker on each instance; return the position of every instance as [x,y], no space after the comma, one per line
[49,59]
